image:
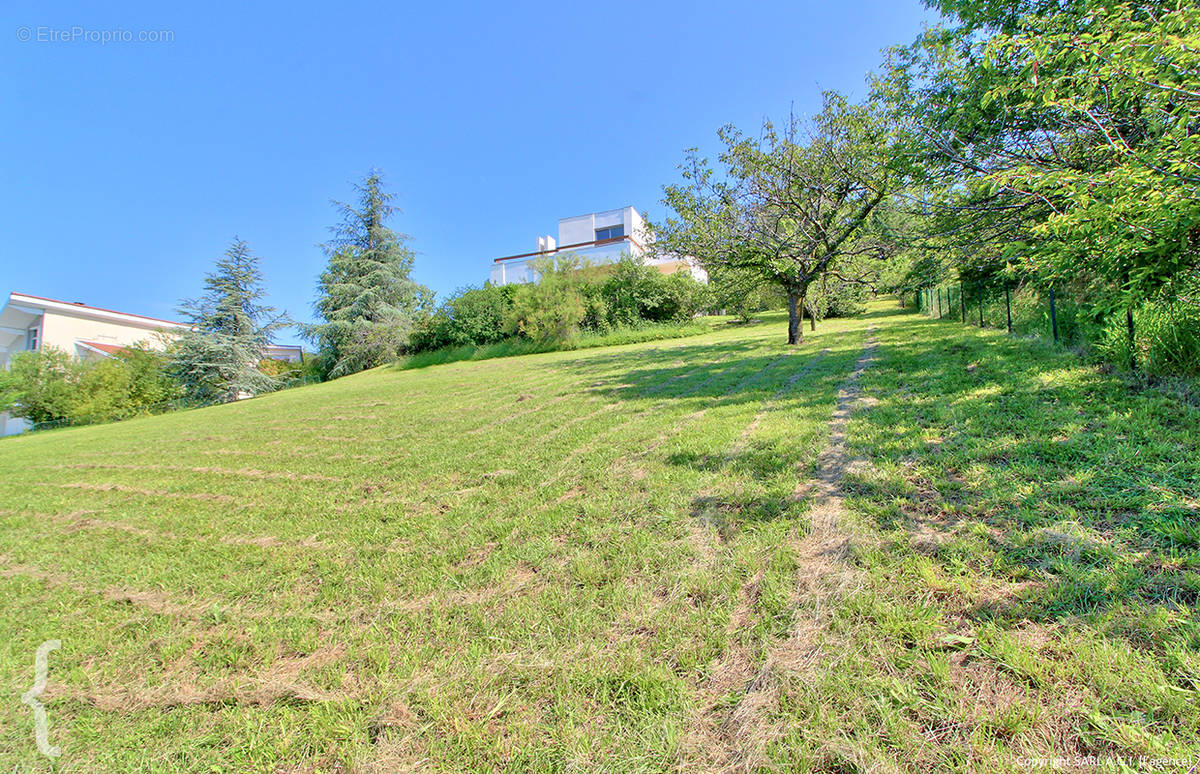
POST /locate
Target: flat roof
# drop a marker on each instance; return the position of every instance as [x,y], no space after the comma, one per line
[567,248]
[601,212]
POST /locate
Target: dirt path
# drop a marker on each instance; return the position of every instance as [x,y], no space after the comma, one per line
[822,577]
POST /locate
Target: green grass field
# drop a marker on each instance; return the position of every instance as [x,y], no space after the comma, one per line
[907,545]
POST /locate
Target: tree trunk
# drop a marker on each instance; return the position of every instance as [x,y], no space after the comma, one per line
[812,320]
[795,332]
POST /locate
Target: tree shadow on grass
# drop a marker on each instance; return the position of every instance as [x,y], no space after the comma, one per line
[781,380]
[763,460]
[719,375]
[726,514]
[1078,494]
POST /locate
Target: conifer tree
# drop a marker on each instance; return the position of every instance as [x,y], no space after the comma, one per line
[217,358]
[367,301]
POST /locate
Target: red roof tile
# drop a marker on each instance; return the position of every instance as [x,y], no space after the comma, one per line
[110,349]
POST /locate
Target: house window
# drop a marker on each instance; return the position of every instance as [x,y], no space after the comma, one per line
[610,232]
[31,338]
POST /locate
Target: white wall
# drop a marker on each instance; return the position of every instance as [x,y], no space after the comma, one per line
[577,230]
[515,271]
[62,330]
[12,425]
[582,228]
[602,253]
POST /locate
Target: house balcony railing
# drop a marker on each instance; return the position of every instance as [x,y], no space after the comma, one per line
[562,248]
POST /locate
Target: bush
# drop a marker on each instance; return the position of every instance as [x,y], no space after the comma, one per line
[836,298]
[470,316]
[310,369]
[571,297]
[282,369]
[1172,335]
[587,339]
[551,309]
[38,386]
[635,293]
[1166,339]
[741,293]
[1166,329]
[49,385]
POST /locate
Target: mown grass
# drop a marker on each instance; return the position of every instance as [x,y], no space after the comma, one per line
[584,560]
[1028,530]
[525,562]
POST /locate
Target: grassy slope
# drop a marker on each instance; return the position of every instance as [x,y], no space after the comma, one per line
[1028,530]
[549,561]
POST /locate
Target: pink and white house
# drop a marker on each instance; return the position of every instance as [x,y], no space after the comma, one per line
[30,323]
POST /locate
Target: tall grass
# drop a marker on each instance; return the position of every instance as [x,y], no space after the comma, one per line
[1166,340]
[1166,331]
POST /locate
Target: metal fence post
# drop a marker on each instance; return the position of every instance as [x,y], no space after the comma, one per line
[1008,308]
[1129,326]
[1053,316]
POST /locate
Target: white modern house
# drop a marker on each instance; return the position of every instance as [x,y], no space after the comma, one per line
[29,323]
[598,237]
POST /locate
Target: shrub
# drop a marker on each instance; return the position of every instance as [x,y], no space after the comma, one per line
[1172,335]
[470,316]
[288,374]
[515,346]
[148,381]
[570,297]
[1166,329]
[38,386]
[636,293]
[49,385]
[597,315]
[1166,338]
[740,293]
[685,298]
[551,309]
[837,298]
[102,392]
[279,368]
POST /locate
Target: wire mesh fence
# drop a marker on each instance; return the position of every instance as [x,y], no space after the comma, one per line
[177,404]
[1021,310]
[163,407]
[1159,337]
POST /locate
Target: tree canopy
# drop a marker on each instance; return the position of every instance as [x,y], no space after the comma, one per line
[230,327]
[1061,137]
[367,300]
[790,206]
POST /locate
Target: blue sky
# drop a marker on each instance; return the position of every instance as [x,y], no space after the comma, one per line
[128,167]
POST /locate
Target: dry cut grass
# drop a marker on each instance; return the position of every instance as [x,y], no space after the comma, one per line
[529,563]
[905,546]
